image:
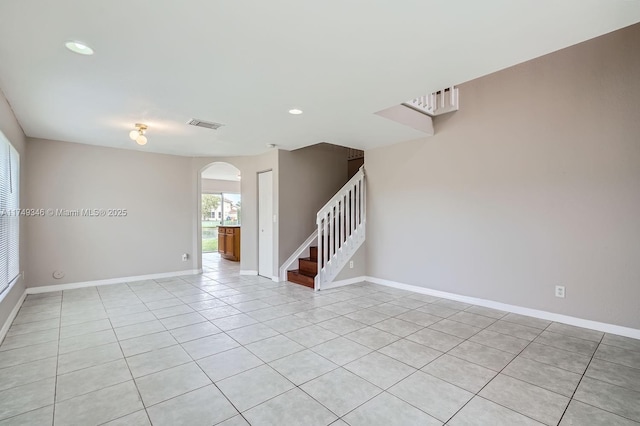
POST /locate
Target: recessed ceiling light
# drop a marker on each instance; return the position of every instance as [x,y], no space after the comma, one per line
[79,47]
[295,111]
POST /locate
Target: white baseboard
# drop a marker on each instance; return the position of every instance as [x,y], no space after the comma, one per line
[275,278]
[248,272]
[550,316]
[12,316]
[71,286]
[343,282]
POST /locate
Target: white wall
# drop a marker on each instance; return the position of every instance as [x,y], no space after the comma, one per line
[13,132]
[154,188]
[535,182]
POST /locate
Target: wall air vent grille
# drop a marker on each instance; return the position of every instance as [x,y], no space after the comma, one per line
[206,124]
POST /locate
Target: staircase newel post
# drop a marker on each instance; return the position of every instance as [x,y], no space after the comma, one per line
[364,198]
[319,221]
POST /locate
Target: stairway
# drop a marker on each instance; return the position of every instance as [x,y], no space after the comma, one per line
[341,231]
[307,269]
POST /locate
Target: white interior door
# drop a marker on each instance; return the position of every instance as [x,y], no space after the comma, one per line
[265,224]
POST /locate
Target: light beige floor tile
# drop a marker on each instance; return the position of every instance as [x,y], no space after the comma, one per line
[480,411]
[379,369]
[157,360]
[166,384]
[303,366]
[388,410]
[21,399]
[464,374]
[39,417]
[30,372]
[100,406]
[539,404]
[340,390]
[91,379]
[139,418]
[89,357]
[229,363]
[290,409]
[253,387]
[204,406]
[579,413]
[436,397]
[411,353]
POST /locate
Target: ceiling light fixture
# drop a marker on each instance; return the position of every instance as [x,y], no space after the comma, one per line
[79,47]
[295,111]
[138,134]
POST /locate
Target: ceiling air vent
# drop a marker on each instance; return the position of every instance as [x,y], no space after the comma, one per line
[205,124]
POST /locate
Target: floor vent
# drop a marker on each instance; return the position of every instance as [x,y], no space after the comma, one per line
[206,124]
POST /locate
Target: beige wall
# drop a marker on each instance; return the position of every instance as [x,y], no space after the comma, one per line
[215,186]
[155,189]
[160,193]
[309,177]
[249,167]
[359,260]
[13,132]
[535,182]
[353,166]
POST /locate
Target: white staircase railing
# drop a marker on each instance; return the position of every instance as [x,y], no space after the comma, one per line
[341,228]
[436,103]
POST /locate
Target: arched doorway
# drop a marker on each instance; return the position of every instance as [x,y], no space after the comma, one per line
[220,216]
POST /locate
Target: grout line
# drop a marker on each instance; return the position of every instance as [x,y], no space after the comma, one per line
[55,387]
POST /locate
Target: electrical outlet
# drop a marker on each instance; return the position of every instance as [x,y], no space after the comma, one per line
[185,257]
[560,291]
[351,264]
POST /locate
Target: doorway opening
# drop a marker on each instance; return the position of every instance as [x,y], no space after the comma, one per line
[218,210]
[221,205]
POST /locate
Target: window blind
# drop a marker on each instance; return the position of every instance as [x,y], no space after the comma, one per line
[9,215]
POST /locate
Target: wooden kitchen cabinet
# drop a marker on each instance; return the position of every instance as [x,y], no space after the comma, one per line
[229,242]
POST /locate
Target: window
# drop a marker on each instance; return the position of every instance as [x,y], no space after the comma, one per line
[231,209]
[9,215]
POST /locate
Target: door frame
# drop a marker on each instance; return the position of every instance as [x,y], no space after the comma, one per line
[273,228]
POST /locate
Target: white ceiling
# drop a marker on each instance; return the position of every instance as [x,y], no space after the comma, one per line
[246,63]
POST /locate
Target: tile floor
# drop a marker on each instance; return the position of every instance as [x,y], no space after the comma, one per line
[220,348]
